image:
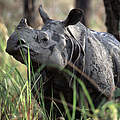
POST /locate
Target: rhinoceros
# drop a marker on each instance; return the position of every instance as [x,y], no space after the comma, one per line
[58,43]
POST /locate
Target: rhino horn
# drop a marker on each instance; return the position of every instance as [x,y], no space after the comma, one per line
[23,23]
[43,15]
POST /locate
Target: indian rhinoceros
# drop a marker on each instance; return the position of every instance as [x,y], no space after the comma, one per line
[58,43]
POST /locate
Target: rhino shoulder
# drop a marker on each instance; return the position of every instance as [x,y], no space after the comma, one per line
[98,65]
[113,46]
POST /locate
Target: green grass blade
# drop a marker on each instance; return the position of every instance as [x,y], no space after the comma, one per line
[74,99]
[65,107]
[87,95]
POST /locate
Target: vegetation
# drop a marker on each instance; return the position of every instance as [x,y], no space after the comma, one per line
[17,101]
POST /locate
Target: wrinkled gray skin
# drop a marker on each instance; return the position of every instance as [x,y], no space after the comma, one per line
[59,42]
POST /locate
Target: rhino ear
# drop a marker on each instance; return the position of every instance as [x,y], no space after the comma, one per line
[43,15]
[23,23]
[74,16]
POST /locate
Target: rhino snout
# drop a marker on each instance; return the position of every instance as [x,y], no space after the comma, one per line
[13,44]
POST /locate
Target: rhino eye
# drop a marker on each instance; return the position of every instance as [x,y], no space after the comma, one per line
[44,39]
[41,39]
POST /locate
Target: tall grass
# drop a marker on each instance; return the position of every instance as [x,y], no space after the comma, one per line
[17,101]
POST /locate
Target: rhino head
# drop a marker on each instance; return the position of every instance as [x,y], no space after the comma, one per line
[50,45]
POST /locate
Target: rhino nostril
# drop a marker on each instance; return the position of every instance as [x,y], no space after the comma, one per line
[21,42]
